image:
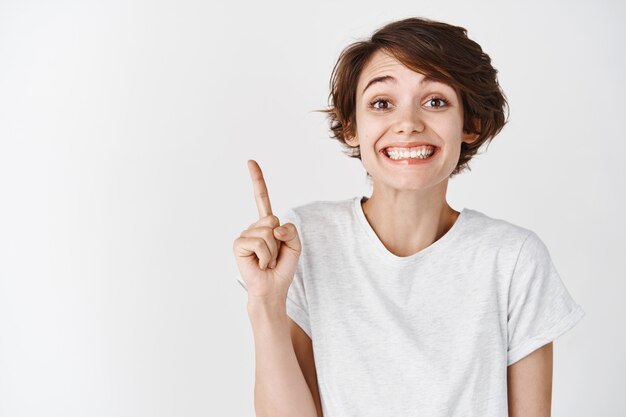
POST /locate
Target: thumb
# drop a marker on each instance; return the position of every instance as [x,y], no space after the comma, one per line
[290,248]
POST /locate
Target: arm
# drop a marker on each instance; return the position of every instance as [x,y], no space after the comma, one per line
[303,345]
[280,386]
[530,384]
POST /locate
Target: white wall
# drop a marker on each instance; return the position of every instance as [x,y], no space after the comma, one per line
[125,127]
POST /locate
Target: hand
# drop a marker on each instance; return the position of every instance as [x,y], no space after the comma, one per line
[266,258]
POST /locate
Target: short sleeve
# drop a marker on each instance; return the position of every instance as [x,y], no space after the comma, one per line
[540,308]
[297,304]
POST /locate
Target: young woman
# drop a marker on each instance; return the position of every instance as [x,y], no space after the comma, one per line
[396,304]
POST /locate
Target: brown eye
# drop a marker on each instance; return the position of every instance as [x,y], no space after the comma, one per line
[380,104]
[437,102]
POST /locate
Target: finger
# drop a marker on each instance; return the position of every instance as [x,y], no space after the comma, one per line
[269,221]
[252,246]
[267,234]
[274,260]
[260,189]
[290,249]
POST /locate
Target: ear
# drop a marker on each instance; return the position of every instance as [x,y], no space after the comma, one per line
[472,137]
[352,141]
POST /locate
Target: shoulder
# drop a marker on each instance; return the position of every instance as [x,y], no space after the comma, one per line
[496,231]
[519,251]
[319,213]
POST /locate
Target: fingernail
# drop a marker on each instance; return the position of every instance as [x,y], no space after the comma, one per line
[273,264]
[280,230]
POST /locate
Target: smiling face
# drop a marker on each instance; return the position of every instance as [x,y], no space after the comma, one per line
[396,106]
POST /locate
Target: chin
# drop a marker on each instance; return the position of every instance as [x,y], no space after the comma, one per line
[411,184]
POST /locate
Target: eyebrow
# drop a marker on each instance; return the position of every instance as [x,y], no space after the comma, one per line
[385,78]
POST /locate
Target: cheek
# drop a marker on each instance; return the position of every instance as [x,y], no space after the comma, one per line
[370,127]
[450,130]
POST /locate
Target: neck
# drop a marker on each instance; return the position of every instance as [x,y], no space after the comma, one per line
[407,221]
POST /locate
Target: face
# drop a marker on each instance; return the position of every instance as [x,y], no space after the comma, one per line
[399,108]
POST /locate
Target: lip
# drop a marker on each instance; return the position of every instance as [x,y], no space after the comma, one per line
[411,161]
[407,145]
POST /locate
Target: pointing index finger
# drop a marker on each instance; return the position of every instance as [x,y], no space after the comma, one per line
[260,189]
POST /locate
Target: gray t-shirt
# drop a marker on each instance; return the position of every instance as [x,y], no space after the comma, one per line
[430,334]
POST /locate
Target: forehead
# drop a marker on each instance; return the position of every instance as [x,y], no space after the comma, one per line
[382,63]
[379,62]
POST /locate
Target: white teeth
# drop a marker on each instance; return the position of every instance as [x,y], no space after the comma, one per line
[420,153]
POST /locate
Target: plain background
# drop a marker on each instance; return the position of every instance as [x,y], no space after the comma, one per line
[125,127]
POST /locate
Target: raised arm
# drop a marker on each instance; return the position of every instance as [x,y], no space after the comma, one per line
[267,261]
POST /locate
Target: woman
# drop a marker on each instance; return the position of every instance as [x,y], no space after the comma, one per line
[397,304]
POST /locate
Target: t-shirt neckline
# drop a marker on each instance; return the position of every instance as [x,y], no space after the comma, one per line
[439,244]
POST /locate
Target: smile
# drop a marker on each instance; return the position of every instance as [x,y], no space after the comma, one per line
[421,152]
[410,156]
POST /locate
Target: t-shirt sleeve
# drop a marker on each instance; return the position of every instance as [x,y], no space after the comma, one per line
[540,308]
[297,305]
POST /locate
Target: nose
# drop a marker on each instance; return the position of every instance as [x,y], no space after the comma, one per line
[409,120]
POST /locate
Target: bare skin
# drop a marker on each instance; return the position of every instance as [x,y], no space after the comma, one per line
[530,384]
[408,208]
[267,255]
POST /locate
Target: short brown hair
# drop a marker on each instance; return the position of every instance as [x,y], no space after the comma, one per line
[435,49]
